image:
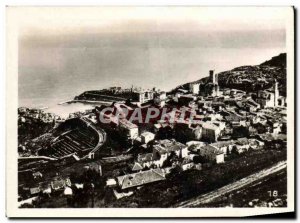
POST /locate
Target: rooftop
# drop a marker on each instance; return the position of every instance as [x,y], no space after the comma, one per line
[167,146]
[141,178]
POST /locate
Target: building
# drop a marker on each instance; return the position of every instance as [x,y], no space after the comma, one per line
[164,148]
[137,167]
[211,153]
[242,145]
[60,184]
[146,137]
[194,88]
[210,132]
[211,87]
[131,181]
[142,96]
[34,191]
[224,146]
[190,143]
[187,131]
[160,99]
[128,129]
[145,160]
[270,98]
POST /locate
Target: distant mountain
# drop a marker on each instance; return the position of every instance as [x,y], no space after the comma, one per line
[252,78]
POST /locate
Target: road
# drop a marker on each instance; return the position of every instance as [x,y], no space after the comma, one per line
[208,197]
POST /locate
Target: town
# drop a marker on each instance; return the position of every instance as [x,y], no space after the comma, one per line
[175,144]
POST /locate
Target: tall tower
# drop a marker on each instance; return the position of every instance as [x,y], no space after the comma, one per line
[216,79]
[276,94]
[212,76]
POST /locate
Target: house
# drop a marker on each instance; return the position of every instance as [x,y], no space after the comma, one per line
[224,146]
[275,126]
[210,132]
[194,88]
[34,190]
[60,184]
[235,120]
[211,153]
[187,131]
[242,145]
[270,97]
[160,99]
[147,137]
[122,194]
[128,129]
[137,167]
[47,189]
[37,175]
[164,148]
[251,105]
[142,96]
[190,143]
[259,119]
[68,191]
[256,144]
[111,182]
[145,160]
[139,179]
[187,164]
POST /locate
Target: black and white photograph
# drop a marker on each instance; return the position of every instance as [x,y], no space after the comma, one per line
[150,111]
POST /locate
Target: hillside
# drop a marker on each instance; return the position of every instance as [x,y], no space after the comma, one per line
[277,61]
[253,78]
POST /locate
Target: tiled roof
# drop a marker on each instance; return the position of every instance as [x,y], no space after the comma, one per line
[222,143]
[167,146]
[142,158]
[141,178]
[137,167]
[208,149]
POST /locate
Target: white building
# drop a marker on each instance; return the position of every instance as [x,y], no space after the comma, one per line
[271,98]
[194,88]
[130,129]
[147,137]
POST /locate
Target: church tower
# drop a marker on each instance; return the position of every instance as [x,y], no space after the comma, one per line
[276,94]
[214,80]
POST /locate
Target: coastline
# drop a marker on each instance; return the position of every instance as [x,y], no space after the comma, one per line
[85,102]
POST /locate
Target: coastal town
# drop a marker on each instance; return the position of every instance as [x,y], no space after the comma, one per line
[153,148]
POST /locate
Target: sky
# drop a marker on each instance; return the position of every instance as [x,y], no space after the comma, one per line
[64,51]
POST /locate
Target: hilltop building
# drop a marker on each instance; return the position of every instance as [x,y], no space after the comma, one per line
[211,87]
[270,98]
[160,98]
[194,88]
[142,96]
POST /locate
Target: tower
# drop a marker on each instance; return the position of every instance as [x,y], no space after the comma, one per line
[276,94]
[214,81]
[212,76]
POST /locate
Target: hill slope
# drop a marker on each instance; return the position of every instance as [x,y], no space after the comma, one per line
[253,78]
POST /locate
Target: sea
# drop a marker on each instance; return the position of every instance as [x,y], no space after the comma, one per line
[47,87]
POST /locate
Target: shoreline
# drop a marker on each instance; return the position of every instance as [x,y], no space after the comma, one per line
[85,102]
